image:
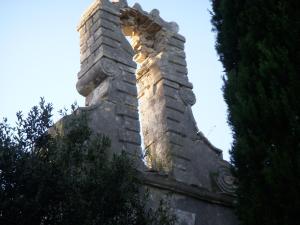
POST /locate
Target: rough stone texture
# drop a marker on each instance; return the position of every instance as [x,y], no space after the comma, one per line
[192,211]
[107,78]
[181,160]
[165,94]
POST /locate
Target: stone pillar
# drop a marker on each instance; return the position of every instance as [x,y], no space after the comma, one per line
[171,137]
[107,77]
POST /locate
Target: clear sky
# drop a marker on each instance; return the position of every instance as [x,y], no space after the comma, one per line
[39,57]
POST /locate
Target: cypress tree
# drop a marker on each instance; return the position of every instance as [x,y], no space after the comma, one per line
[258,42]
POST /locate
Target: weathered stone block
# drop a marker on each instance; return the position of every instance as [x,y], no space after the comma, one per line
[104,41]
[128,99]
[186,218]
[171,84]
[177,60]
[115,54]
[170,92]
[174,105]
[89,23]
[117,36]
[129,136]
[132,124]
[133,150]
[129,77]
[175,127]
[176,43]
[179,37]
[105,15]
[93,76]
[127,88]
[99,93]
[85,55]
[105,24]
[179,152]
[123,110]
[175,138]
[174,115]
[83,48]
[90,41]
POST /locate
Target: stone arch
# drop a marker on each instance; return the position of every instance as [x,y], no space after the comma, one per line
[165,93]
[108,79]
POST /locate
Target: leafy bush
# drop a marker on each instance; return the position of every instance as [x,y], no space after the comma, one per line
[50,176]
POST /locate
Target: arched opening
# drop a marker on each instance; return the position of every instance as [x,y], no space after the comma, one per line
[161,81]
[108,79]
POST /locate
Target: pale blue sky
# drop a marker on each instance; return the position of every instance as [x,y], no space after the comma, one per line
[39,56]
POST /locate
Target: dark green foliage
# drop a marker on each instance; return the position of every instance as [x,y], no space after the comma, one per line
[65,178]
[258,42]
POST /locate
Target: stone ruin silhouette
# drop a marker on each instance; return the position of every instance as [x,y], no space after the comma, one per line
[158,98]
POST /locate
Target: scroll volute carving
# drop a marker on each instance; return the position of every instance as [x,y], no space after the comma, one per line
[103,69]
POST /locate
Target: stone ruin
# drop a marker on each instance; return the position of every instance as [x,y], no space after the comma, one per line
[158,98]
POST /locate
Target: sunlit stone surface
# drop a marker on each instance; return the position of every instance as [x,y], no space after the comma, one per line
[179,159]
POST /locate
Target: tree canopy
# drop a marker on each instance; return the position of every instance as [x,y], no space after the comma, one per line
[258,42]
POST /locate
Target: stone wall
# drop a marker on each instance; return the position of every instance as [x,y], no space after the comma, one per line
[107,77]
[180,160]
